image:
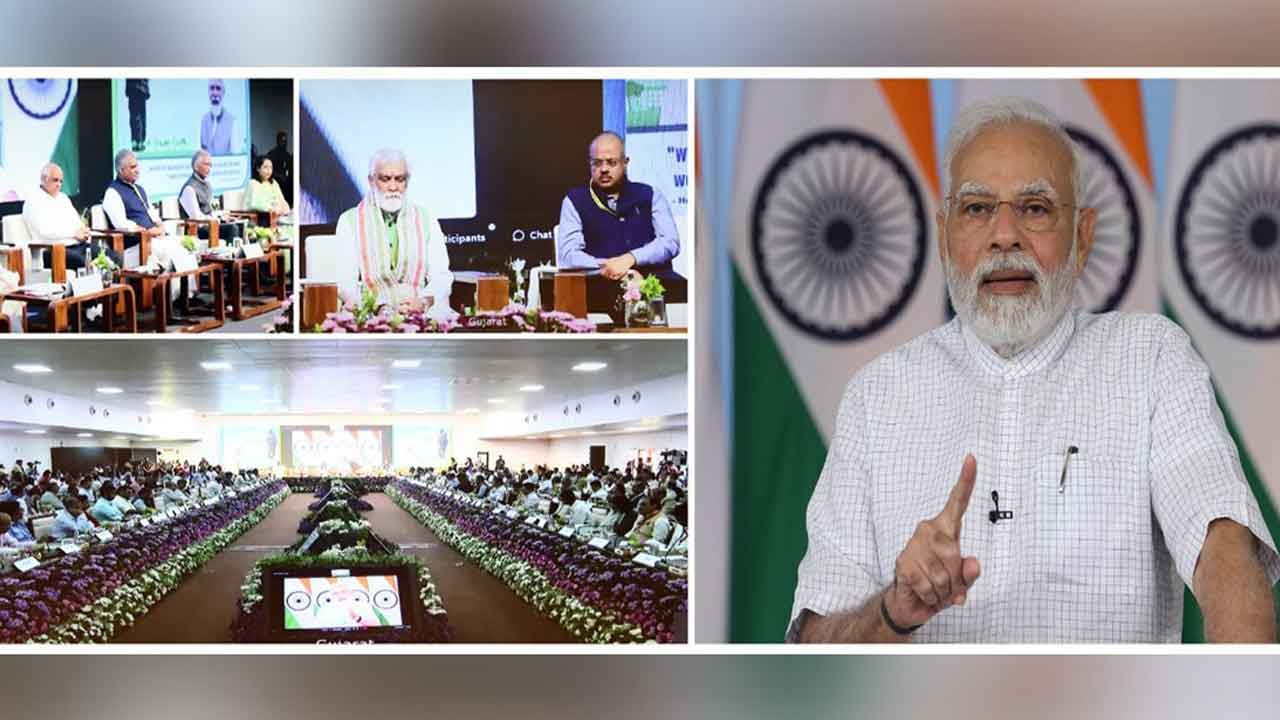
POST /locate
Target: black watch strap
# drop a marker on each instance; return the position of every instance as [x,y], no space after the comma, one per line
[884,613]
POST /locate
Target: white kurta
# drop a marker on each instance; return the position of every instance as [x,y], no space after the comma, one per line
[422,264]
[1105,559]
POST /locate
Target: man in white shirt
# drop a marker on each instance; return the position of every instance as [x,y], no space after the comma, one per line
[1096,474]
[51,218]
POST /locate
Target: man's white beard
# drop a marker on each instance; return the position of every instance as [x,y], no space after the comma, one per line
[390,203]
[215,109]
[1010,324]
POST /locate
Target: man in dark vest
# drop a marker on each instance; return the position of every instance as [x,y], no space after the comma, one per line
[126,205]
[612,224]
[195,198]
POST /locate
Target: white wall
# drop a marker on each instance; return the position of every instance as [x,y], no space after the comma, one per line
[467,437]
[89,412]
[657,398]
[618,448]
[37,447]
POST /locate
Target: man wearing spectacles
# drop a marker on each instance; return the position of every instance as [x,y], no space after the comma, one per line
[1096,476]
[399,246]
[613,224]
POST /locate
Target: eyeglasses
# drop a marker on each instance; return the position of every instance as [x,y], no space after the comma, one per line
[1034,214]
[389,178]
[605,162]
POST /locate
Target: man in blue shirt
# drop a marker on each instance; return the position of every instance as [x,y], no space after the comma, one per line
[105,510]
[71,520]
[613,224]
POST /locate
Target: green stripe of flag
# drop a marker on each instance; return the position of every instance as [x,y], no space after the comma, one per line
[1192,619]
[777,455]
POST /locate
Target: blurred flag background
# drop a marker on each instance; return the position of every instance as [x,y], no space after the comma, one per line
[818,252]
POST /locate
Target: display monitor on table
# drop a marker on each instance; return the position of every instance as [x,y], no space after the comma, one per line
[361,603]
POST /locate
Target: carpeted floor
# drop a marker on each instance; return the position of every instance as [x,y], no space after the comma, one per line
[481,608]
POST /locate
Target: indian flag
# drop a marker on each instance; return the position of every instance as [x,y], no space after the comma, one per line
[1105,119]
[834,262]
[1220,259]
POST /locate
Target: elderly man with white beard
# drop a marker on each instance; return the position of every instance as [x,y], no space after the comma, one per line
[399,246]
[1096,476]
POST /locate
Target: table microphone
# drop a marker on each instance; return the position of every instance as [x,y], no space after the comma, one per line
[997,515]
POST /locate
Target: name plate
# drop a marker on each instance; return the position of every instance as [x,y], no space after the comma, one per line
[69,548]
[26,564]
[86,285]
[311,539]
[513,514]
[566,531]
[103,535]
[146,522]
[210,502]
[497,510]
[531,520]
[645,559]
[599,543]
[252,250]
[184,261]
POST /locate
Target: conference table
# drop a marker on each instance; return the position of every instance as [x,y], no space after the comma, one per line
[159,282]
[65,314]
[247,305]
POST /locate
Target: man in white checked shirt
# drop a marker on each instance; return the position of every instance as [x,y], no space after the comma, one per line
[1096,437]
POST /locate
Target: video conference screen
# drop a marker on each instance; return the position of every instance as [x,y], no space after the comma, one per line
[39,123]
[165,121]
[328,450]
[490,159]
[342,602]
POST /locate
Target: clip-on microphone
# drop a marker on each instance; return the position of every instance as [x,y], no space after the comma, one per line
[997,515]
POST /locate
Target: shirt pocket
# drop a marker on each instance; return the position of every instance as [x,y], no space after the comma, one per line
[1090,527]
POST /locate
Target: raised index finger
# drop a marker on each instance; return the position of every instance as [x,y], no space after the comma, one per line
[958,501]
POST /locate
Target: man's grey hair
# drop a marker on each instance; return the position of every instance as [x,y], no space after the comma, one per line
[388,155]
[196,157]
[1007,111]
[121,156]
[46,169]
[607,133]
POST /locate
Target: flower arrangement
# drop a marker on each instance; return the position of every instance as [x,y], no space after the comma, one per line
[369,317]
[517,267]
[596,596]
[94,594]
[283,323]
[638,295]
[259,234]
[103,262]
[189,243]
[321,485]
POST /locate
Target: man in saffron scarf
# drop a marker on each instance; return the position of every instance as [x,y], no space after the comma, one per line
[399,246]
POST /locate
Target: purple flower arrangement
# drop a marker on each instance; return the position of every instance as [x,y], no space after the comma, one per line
[409,319]
[37,602]
[649,599]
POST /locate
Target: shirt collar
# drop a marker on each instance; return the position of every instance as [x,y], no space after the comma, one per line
[1031,360]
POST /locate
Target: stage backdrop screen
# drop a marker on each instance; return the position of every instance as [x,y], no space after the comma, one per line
[39,123]
[327,450]
[246,446]
[164,121]
[422,446]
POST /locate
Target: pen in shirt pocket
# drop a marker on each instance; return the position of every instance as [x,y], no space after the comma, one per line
[1062,481]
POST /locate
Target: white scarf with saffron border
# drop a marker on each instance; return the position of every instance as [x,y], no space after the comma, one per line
[408,278]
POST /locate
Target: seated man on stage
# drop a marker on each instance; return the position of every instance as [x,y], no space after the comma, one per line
[399,246]
[125,202]
[51,218]
[613,224]
[195,199]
